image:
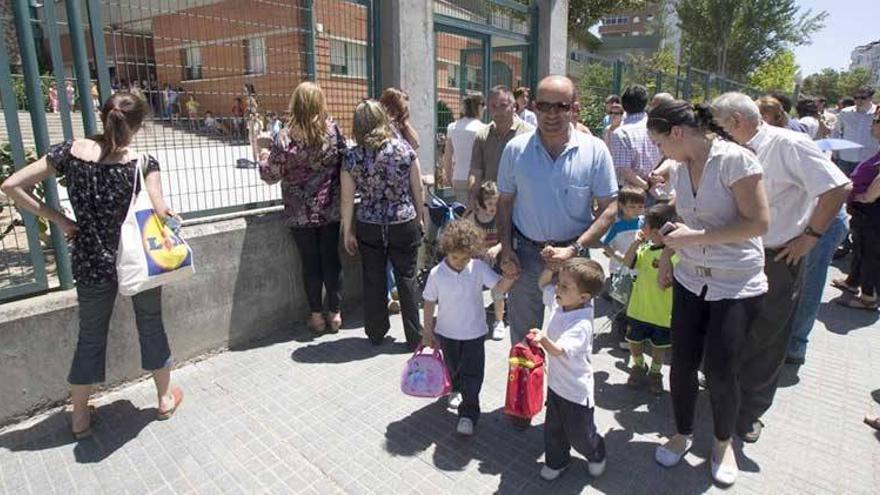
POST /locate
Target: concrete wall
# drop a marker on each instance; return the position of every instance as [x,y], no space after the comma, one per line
[552,37]
[247,286]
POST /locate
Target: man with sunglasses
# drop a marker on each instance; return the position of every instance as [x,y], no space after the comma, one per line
[548,180]
[854,124]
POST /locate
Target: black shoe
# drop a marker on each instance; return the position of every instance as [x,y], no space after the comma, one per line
[841,252]
[797,361]
[375,340]
[753,433]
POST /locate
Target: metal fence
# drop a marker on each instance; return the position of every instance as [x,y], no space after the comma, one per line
[598,77]
[203,66]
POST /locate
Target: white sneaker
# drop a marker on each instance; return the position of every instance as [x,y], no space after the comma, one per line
[465,427]
[623,345]
[550,474]
[596,468]
[454,400]
[723,474]
[499,330]
[667,457]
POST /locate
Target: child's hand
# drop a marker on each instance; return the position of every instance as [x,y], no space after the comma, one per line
[428,339]
[537,335]
[640,236]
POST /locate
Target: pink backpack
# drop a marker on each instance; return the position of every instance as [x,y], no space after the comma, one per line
[425,375]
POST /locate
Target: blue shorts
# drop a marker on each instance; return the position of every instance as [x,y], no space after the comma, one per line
[640,332]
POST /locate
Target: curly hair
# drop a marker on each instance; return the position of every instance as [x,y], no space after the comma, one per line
[462,235]
[588,274]
[486,191]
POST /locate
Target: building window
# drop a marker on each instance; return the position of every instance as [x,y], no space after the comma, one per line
[255,55]
[615,20]
[191,61]
[348,59]
[453,75]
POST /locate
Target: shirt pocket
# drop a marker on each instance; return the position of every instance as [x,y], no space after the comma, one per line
[577,201]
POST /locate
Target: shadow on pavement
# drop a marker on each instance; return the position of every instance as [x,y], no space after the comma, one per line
[115,424]
[842,320]
[346,350]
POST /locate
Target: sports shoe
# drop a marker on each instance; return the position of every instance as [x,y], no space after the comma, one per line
[454,400]
[465,427]
[596,468]
[655,383]
[753,433]
[667,457]
[623,345]
[637,375]
[550,474]
[724,474]
[499,330]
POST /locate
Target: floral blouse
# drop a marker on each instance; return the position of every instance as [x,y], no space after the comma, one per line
[309,177]
[100,194]
[381,177]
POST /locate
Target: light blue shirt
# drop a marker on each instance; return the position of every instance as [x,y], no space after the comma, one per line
[554,198]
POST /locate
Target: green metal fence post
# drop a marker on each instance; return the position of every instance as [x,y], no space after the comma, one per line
[687,83]
[617,80]
[311,65]
[374,68]
[37,112]
[64,106]
[707,86]
[677,81]
[81,65]
[658,82]
[96,28]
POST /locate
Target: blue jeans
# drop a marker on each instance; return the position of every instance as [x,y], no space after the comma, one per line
[95,309]
[525,304]
[815,275]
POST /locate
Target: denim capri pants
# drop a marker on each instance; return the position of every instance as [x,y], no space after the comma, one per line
[95,309]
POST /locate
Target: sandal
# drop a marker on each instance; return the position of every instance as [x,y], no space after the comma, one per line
[840,284]
[859,303]
[177,393]
[83,434]
[335,322]
[873,422]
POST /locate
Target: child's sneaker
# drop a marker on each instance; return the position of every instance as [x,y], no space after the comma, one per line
[637,375]
[465,427]
[596,468]
[550,474]
[454,400]
[655,383]
[499,330]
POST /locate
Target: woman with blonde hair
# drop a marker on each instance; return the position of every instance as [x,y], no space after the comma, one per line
[772,111]
[306,157]
[395,102]
[384,170]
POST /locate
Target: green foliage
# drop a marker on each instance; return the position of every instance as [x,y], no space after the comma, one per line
[18,87]
[734,37]
[444,116]
[594,84]
[643,70]
[834,85]
[584,14]
[776,74]
[852,80]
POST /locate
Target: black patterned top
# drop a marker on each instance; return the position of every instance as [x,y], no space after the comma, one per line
[100,194]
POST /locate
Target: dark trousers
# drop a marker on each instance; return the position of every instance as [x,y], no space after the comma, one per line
[767,344]
[568,425]
[864,269]
[398,243]
[466,362]
[95,309]
[319,252]
[718,328]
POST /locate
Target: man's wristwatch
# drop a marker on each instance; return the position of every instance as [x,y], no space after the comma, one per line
[579,250]
[812,233]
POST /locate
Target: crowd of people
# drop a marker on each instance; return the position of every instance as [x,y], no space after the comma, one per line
[720,220]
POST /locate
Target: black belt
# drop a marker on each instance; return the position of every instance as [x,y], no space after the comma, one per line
[541,244]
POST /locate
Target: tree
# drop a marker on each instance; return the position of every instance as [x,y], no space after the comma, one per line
[853,80]
[734,37]
[584,14]
[776,74]
[824,83]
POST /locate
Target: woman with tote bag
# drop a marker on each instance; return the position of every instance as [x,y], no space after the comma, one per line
[101,173]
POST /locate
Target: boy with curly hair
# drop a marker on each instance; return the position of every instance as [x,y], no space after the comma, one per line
[455,286]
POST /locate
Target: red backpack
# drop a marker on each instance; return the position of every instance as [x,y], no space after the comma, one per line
[525,380]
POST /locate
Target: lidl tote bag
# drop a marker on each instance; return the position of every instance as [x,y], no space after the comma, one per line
[150,254]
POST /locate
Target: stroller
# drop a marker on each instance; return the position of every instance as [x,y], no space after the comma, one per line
[441,213]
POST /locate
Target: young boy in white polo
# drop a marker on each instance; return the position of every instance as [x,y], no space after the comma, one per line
[456,285]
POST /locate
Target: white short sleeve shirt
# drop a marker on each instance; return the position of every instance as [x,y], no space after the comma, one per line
[570,375]
[459,297]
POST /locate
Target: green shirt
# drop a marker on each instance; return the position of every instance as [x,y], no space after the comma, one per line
[649,303]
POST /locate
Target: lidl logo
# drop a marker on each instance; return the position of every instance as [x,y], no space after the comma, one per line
[164,251]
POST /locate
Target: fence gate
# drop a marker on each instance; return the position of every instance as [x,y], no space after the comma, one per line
[201,65]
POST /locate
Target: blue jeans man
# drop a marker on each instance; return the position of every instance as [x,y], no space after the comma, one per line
[815,276]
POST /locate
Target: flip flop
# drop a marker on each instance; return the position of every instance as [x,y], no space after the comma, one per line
[859,303]
[841,285]
[83,434]
[177,393]
[873,422]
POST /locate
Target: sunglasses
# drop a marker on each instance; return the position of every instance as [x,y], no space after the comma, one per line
[546,106]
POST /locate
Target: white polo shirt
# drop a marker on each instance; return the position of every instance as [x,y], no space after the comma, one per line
[796,172]
[570,375]
[459,295]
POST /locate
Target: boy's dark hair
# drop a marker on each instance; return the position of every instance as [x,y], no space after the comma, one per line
[631,195]
[634,99]
[659,214]
[487,190]
[847,102]
[588,274]
[462,235]
[783,99]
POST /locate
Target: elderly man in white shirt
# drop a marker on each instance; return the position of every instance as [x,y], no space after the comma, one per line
[854,124]
[805,191]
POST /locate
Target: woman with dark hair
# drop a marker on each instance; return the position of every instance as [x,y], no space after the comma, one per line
[808,116]
[306,157]
[719,280]
[100,172]
[395,102]
[460,137]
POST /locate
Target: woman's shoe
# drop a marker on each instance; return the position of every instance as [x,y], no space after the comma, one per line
[335,322]
[86,433]
[316,324]
[724,474]
[667,457]
[177,393]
